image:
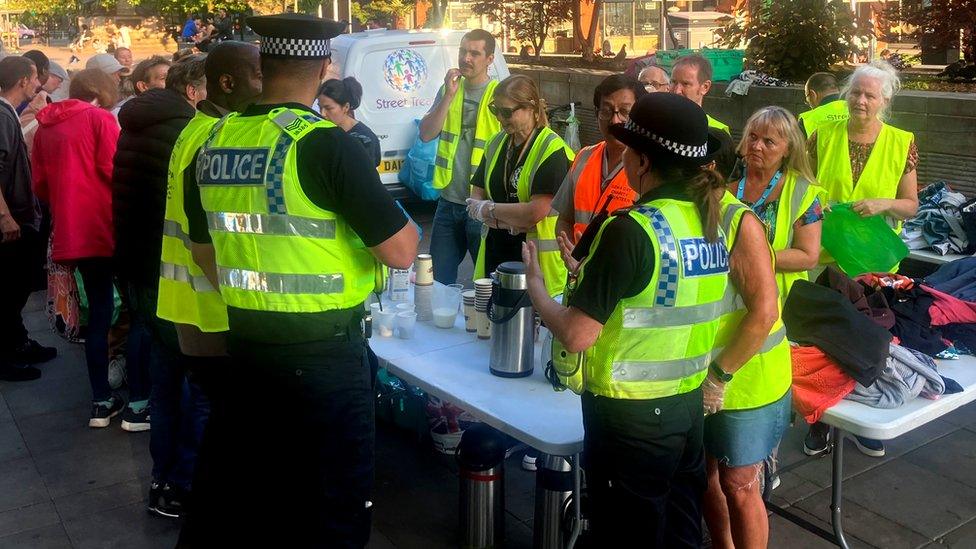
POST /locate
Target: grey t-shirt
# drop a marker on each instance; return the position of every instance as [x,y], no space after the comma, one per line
[566,196]
[459,187]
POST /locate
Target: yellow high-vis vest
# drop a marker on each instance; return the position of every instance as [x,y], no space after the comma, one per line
[658,343]
[486,126]
[712,123]
[546,143]
[767,376]
[185,294]
[882,172]
[796,198]
[834,111]
[276,250]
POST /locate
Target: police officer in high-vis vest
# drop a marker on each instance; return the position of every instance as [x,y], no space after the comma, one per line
[596,183]
[186,297]
[288,217]
[826,105]
[637,326]
[461,121]
[511,193]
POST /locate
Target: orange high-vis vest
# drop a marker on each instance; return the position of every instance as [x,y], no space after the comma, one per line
[590,199]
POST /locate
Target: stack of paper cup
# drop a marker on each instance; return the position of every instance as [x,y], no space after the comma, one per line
[423,302]
[482,295]
[470,321]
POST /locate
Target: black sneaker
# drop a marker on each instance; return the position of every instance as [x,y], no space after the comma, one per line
[101,414]
[817,439]
[172,501]
[135,422]
[155,493]
[16,372]
[870,447]
[32,352]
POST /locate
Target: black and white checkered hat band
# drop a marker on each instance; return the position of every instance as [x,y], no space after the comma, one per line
[311,48]
[680,149]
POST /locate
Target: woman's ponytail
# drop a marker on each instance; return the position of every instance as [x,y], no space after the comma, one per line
[703,185]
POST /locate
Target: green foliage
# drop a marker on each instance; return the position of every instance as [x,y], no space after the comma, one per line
[792,39]
[528,21]
[383,12]
[940,19]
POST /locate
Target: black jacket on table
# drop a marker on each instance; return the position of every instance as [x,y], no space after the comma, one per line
[150,122]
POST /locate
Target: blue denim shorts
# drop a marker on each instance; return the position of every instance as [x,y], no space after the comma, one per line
[737,438]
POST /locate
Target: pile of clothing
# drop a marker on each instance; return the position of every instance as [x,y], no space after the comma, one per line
[945,222]
[900,325]
[746,79]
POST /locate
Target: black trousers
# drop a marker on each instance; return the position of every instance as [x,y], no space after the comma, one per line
[645,470]
[287,458]
[20,262]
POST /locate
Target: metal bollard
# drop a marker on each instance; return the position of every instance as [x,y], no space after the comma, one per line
[553,493]
[481,468]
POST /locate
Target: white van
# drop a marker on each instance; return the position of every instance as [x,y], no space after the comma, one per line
[401,71]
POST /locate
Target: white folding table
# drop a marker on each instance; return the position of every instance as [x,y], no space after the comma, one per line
[928,256]
[853,418]
[452,364]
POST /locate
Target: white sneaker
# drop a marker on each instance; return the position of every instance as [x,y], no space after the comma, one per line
[528,462]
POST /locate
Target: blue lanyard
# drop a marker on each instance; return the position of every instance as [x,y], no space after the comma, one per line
[769,189]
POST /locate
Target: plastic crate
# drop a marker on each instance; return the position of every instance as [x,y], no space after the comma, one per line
[725,63]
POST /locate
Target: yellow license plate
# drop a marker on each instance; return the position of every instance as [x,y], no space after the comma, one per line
[391,166]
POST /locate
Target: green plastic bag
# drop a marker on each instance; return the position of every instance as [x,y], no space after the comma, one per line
[861,244]
[83,301]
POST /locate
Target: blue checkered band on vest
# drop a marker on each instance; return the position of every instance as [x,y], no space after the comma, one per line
[689,151]
[311,48]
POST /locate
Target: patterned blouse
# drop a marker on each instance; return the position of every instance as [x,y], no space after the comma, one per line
[859,153]
[767,214]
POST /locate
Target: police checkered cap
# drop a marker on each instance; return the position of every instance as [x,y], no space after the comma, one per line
[680,149]
[307,48]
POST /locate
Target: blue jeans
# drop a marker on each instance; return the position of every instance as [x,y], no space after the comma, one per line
[453,233]
[139,344]
[96,274]
[178,410]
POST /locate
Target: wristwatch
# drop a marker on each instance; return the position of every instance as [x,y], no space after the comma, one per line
[721,374]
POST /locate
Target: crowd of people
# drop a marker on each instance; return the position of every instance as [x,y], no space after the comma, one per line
[244,229]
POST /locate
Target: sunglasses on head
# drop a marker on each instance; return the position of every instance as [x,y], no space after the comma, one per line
[503,112]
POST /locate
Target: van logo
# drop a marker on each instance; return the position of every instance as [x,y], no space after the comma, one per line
[405,70]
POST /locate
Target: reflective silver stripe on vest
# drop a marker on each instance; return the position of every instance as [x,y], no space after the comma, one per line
[583,216]
[773,339]
[479,143]
[546,245]
[280,283]
[284,225]
[173,229]
[729,218]
[447,136]
[659,370]
[440,162]
[545,145]
[795,202]
[180,273]
[664,317]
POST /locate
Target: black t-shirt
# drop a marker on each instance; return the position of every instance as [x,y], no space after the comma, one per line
[622,265]
[336,175]
[370,142]
[500,245]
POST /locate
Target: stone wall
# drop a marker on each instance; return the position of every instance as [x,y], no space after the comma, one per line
[944,124]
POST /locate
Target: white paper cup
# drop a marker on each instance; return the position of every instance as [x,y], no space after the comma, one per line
[470,319]
[484,326]
[405,308]
[383,323]
[406,323]
[423,270]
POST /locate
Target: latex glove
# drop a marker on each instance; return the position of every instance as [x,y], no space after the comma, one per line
[713,394]
[478,209]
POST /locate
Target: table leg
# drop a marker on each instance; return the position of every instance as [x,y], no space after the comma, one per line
[837,473]
[577,502]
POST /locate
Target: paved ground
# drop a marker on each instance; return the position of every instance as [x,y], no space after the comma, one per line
[65,485]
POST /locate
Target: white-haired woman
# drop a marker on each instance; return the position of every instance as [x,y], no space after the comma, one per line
[865,160]
[778,187]
[872,164]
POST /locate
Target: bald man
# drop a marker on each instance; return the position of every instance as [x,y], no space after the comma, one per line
[655,79]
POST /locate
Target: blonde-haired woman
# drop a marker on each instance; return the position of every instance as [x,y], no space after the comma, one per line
[512,190]
[868,162]
[778,187]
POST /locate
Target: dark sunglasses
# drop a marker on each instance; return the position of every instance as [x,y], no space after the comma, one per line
[502,112]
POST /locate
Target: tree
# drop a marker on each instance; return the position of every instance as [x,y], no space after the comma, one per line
[940,21]
[384,12]
[792,39]
[528,21]
[587,41]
